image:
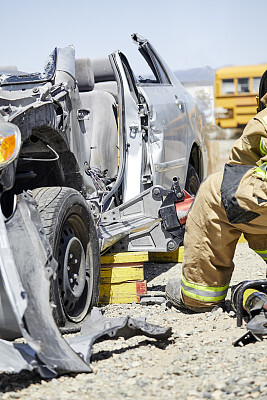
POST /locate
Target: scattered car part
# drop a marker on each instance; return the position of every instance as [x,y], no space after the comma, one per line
[249,300]
[148,300]
[16,357]
[97,327]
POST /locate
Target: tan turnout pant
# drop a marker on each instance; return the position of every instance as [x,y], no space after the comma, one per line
[210,242]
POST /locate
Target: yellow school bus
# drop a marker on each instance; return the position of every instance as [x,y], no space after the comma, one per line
[235,94]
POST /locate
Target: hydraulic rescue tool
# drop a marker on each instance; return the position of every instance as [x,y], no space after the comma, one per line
[174,212]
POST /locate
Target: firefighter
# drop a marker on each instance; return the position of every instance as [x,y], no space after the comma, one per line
[228,204]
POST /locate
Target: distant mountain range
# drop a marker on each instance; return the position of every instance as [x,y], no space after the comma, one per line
[200,76]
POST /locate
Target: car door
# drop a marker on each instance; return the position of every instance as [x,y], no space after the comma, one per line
[168,121]
[131,141]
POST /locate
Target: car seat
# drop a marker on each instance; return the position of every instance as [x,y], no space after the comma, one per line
[101,127]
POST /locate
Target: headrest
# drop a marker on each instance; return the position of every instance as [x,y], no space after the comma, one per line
[84,74]
[102,69]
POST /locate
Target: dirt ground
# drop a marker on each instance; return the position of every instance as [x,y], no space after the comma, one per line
[218,153]
[199,361]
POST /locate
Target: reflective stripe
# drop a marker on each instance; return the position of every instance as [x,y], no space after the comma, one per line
[262,253]
[203,293]
[263,148]
[261,171]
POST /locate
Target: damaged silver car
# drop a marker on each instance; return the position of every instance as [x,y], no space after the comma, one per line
[92,159]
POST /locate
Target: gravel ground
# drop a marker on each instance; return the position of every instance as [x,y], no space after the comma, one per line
[197,362]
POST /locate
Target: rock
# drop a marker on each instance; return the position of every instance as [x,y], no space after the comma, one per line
[131,373]
[216,395]
[231,314]
[176,370]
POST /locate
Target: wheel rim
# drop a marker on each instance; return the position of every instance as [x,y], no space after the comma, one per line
[73,273]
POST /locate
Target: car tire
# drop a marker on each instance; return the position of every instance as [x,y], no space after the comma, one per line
[72,234]
[192,182]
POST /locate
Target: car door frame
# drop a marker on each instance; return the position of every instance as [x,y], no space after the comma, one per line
[170,129]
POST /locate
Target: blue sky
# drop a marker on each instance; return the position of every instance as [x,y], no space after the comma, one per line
[187,34]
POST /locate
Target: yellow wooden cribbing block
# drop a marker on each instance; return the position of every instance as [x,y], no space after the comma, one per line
[133,257]
[122,277]
[118,273]
[125,292]
[120,258]
[171,257]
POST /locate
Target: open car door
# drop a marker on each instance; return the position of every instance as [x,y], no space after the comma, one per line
[130,138]
[167,130]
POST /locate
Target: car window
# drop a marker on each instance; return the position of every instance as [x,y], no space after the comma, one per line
[243,85]
[164,79]
[256,84]
[228,86]
[149,74]
[147,68]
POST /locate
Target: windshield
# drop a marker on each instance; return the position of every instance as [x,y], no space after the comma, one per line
[13,77]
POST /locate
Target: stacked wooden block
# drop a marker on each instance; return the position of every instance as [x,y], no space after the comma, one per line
[171,257]
[122,277]
[122,274]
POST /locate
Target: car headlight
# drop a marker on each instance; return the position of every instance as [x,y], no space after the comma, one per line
[10,139]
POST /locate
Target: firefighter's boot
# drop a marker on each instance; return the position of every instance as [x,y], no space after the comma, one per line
[173,290]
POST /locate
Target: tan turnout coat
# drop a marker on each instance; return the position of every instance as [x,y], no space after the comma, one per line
[228,204]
